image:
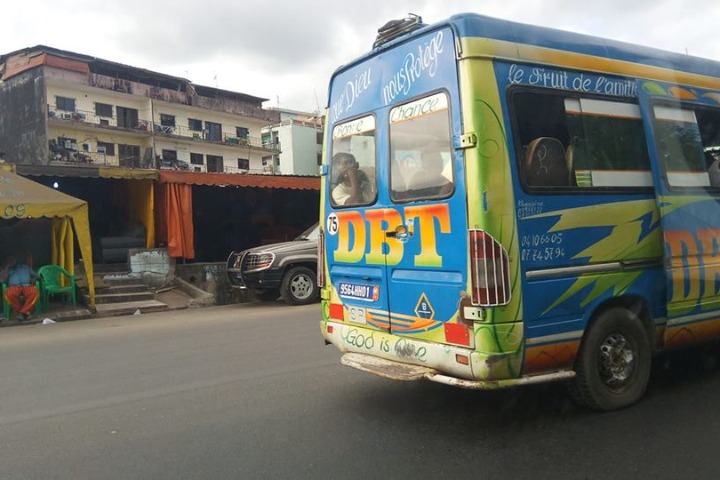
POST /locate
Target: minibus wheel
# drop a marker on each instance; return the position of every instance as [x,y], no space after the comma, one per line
[613,365]
[299,286]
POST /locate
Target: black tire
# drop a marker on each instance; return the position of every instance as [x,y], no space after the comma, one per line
[266,295]
[613,366]
[299,286]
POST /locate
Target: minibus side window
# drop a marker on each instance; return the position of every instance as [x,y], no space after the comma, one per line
[420,150]
[571,142]
[688,142]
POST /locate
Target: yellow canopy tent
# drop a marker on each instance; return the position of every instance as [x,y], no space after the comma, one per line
[22,198]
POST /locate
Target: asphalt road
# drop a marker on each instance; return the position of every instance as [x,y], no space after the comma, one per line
[250,391]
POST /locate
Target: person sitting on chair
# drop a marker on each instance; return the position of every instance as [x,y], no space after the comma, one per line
[21,293]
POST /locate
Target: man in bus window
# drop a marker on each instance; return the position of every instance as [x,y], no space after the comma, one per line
[430,181]
[353,186]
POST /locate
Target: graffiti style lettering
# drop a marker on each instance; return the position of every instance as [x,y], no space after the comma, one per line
[428,256]
[417,109]
[402,347]
[352,91]
[569,80]
[581,83]
[366,237]
[516,74]
[380,245]
[356,339]
[351,229]
[414,66]
[548,78]
[405,349]
[695,264]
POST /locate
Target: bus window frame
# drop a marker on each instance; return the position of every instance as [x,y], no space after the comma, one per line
[329,183]
[512,90]
[682,105]
[454,182]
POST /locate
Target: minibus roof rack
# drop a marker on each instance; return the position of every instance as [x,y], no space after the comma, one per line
[395,28]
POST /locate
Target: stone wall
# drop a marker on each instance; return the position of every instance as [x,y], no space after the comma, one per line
[211,277]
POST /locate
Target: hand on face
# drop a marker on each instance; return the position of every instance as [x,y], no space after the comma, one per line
[349,171]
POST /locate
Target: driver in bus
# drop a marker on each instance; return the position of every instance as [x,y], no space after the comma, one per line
[353,186]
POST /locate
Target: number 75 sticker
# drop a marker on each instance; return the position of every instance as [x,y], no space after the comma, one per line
[332,225]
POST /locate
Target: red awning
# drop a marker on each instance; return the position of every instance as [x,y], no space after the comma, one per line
[240,180]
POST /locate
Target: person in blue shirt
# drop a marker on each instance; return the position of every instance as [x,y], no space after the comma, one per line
[21,293]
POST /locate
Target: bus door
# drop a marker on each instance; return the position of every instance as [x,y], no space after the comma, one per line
[683,131]
[355,258]
[426,219]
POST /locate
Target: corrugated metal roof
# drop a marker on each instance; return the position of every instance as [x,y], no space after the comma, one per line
[224,179]
[86,171]
[295,182]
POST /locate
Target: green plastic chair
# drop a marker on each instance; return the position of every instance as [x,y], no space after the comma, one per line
[51,280]
[6,305]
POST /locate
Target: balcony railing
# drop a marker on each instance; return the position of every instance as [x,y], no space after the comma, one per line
[91,118]
[250,171]
[81,157]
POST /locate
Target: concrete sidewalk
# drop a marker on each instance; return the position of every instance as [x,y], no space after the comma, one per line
[172,299]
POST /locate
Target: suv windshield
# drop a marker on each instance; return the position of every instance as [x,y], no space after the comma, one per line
[309,234]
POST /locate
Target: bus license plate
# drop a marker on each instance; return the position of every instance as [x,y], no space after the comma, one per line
[369,293]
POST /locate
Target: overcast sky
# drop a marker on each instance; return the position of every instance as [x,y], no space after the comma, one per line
[286,50]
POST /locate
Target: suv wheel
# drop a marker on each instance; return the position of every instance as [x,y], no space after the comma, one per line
[299,286]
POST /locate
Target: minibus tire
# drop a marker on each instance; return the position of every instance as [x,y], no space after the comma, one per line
[613,365]
[299,286]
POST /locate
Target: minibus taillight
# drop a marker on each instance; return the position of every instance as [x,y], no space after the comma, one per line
[489,269]
[321,259]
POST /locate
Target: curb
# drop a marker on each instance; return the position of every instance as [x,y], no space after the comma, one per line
[199,297]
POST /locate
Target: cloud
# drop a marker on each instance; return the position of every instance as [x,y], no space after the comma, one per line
[289,48]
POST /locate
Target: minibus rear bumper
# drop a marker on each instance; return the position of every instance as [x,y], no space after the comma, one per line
[400,358]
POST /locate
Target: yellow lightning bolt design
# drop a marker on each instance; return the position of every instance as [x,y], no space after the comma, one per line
[635,234]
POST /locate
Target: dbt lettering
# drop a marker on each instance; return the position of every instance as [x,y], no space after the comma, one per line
[365,238]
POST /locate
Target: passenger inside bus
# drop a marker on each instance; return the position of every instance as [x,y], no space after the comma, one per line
[429,181]
[353,185]
[713,162]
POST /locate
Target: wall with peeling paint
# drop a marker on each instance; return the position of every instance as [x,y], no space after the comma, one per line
[23,115]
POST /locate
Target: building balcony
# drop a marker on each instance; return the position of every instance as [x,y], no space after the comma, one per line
[98,159]
[180,132]
[78,158]
[86,118]
[89,119]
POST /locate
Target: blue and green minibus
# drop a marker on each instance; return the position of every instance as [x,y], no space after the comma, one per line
[504,204]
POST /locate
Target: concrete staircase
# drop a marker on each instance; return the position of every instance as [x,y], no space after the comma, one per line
[123,295]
